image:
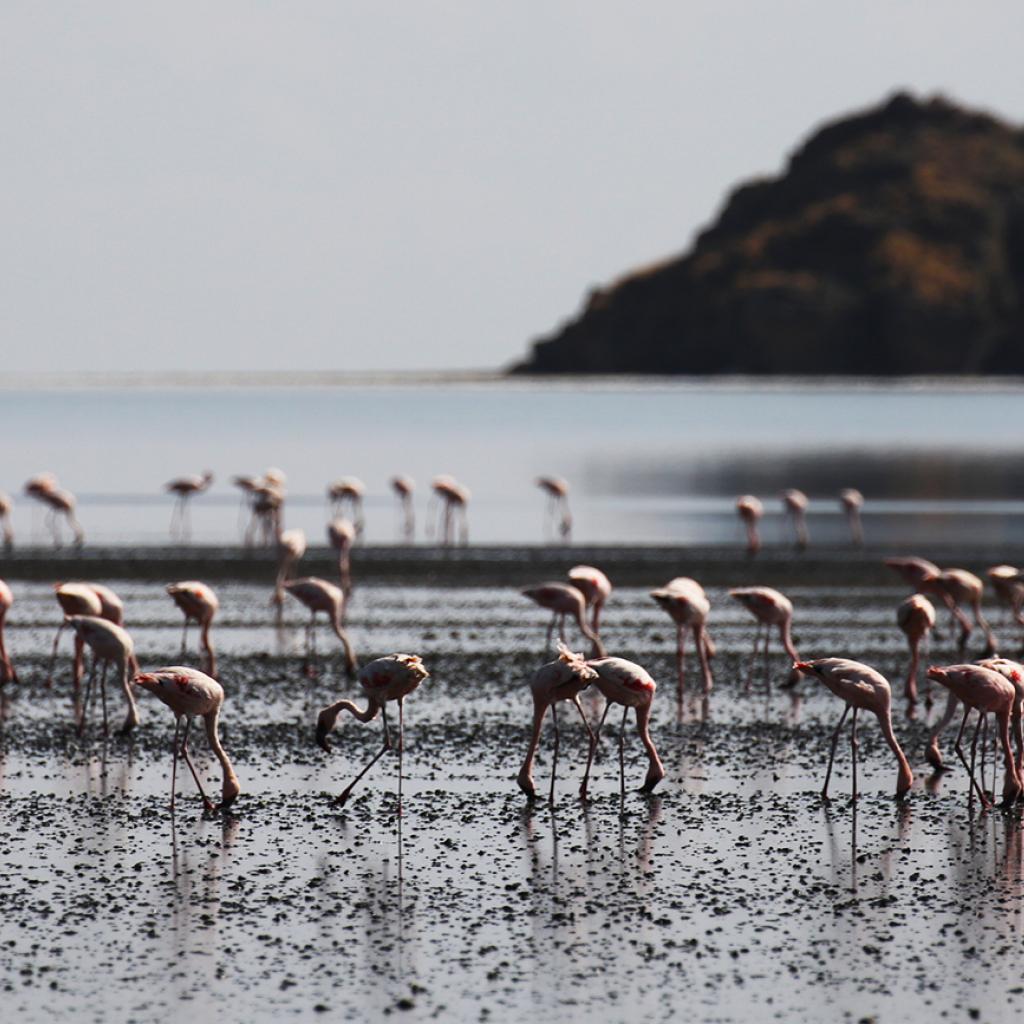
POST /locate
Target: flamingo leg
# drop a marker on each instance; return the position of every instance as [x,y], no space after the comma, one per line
[854,744]
[595,735]
[622,754]
[85,702]
[184,638]
[103,696]
[963,759]
[832,752]
[401,748]
[340,800]
[174,762]
[207,804]
[554,756]
[680,661]
[590,737]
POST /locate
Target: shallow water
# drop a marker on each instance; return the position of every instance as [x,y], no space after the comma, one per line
[732,894]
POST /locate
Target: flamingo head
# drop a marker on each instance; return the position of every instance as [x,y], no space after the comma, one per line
[938,675]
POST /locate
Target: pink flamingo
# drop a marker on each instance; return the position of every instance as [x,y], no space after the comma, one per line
[454,499]
[923,576]
[860,687]
[687,604]
[291,546]
[595,587]
[110,644]
[795,504]
[267,513]
[5,521]
[852,501]
[320,596]
[750,511]
[404,486]
[190,693]
[393,677]
[626,683]
[342,537]
[347,494]
[184,488]
[916,617]
[1009,588]
[7,673]
[986,691]
[961,587]
[92,599]
[561,600]
[770,608]
[558,680]
[44,488]
[557,510]
[199,604]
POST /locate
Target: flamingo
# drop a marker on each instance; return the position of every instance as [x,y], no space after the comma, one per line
[851,501]
[985,690]
[596,589]
[92,599]
[562,599]
[922,577]
[190,693]
[184,488]
[7,673]
[454,500]
[795,505]
[770,608]
[247,486]
[626,683]
[750,511]
[5,521]
[860,687]
[959,587]
[59,502]
[404,486]
[320,596]
[110,644]
[346,495]
[558,680]
[1009,587]
[557,511]
[1010,670]
[342,536]
[393,677]
[687,604]
[291,546]
[916,617]
[198,603]
[267,512]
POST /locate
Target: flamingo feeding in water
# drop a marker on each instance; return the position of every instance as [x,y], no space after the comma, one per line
[190,693]
[626,683]
[558,680]
[959,587]
[384,679]
[556,511]
[454,499]
[916,618]
[111,645]
[770,608]
[860,687]
[688,606]
[750,511]
[199,604]
[851,501]
[59,502]
[595,587]
[184,488]
[987,691]
[342,537]
[795,504]
[7,673]
[91,599]
[5,521]
[346,497]
[404,486]
[320,596]
[1008,585]
[291,546]
[922,577]
[562,599]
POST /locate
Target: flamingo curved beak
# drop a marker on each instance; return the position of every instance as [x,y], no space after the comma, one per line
[803,666]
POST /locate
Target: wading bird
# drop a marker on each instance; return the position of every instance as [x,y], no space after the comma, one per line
[987,691]
[626,683]
[595,587]
[7,673]
[346,498]
[562,599]
[750,511]
[342,537]
[454,502]
[384,679]
[851,501]
[916,618]
[291,546]
[111,645]
[184,488]
[59,502]
[557,516]
[5,521]
[404,486]
[199,604]
[92,599]
[860,687]
[795,504]
[770,608]
[320,596]
[959,587]
[687,604]
[1009,588]
[558,680]
[922,577]
[190,693]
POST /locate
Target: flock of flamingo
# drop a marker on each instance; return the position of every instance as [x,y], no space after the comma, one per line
[95,615]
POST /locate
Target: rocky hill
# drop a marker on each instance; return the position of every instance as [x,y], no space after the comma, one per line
[892,244]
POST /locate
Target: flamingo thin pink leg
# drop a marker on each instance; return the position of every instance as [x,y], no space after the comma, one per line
[192,768]
[832,752]
[854,744]
[174,762]
[554,755]
[380,753]
[963,759]
[590,736]
[622,754]
[595,735]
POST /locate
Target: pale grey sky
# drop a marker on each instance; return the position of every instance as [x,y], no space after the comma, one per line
[356,186]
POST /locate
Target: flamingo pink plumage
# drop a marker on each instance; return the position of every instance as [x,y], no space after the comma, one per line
[320,596]
[916,618]
[687,604]
[750,511]
[562,599]
[341,534]
[184,488]
[7,673]
[199,604]
[404,486]
[595,587]
[795,504]
[556,512]
[111,644]
[771,608]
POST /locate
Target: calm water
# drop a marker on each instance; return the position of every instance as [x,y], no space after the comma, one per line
[657,462]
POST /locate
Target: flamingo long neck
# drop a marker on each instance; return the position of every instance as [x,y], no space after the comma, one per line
[787,638]
[885,721]
[915,658]
[700,638]
[1011,780]
[599,651]
[204,639]
[526,772]
[213,737]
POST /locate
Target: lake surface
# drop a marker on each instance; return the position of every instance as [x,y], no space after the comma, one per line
[648,462]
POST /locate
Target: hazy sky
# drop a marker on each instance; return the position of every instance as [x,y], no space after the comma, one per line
[356,186]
